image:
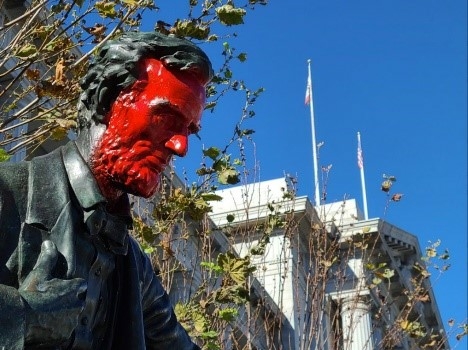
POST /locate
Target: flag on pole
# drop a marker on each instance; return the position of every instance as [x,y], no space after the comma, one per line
[308,91]
[360,160]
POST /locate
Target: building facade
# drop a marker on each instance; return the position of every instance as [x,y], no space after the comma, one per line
[340,282]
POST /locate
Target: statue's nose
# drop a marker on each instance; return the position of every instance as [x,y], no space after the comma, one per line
[178,144]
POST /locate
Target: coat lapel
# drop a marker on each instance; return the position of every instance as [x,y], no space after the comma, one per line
[47,190]
[50,215]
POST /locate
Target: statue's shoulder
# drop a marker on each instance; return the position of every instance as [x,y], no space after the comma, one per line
[13,175]
[13,196]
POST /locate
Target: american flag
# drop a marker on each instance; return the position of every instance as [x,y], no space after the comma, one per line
[360,160]
[308,93]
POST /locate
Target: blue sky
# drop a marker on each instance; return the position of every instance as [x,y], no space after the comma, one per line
[393,70]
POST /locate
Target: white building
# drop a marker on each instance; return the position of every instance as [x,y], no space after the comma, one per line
[341,282]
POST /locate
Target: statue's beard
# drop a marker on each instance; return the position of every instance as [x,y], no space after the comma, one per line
[135,170]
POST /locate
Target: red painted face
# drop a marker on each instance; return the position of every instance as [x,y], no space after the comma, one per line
[147,124]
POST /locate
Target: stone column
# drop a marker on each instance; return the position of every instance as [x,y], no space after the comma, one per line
[357,323]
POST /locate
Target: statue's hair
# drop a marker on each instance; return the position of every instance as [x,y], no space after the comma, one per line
[116,67]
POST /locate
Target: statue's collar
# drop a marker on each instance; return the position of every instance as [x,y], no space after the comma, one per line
[80,177]
[49,189]
[84,184]
[113,228]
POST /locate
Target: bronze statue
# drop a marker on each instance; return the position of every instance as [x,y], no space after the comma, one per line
[70,275]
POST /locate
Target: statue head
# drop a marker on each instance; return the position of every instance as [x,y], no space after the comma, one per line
[116,67]
[145,95]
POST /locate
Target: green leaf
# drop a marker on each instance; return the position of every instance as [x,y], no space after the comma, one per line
[211,105]
[147,233]
[181,310]
[199,322]
[4,156]
[233,294]
[200,204]
[228,74]
[209,335]
[228,314]
[229,15]
[192,29]
[212,152]
[147,248]
[43,31]
[211,266]
[210,345]
[388,273]
[242,57]
[211,197]
[259,91]
[230,218]
[106,9]
[237,269]
[212,37]
[228,176]
[221,163]
[27,51]
[129,2]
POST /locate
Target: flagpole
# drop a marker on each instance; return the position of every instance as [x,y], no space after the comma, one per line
[363,180]
[314,142]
